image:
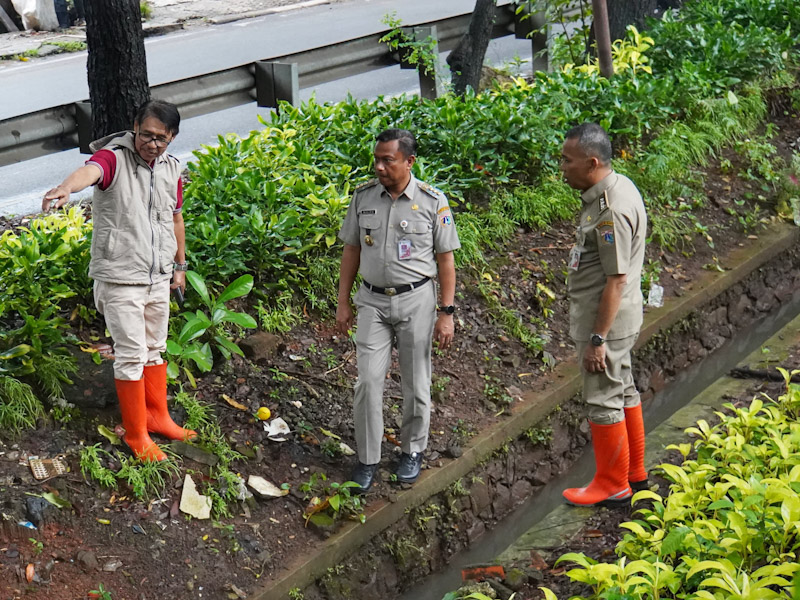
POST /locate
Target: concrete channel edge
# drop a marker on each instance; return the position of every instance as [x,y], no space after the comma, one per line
[562,384]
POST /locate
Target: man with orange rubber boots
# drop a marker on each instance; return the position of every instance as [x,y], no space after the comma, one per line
[137,246]
[605,268]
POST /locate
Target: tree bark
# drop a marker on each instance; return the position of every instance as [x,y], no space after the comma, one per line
[117,65]
[466,61]
[622,13]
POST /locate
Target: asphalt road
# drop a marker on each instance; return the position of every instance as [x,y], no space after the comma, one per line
[63,79]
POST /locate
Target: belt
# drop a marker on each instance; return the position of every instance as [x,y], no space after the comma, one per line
[400,289]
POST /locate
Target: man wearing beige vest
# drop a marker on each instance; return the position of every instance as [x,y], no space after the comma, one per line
[137,247]
[605,269]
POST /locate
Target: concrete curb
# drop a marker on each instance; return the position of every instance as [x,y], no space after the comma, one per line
[559,386]
[267,11]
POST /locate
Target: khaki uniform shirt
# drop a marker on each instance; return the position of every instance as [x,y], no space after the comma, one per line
[405,234]
[610,241]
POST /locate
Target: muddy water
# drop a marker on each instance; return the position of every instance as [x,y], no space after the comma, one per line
[676,395]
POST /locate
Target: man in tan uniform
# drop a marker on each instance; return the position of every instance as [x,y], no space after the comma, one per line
[398,233]
[605,268]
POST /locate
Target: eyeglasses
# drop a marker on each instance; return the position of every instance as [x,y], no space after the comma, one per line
[148,138]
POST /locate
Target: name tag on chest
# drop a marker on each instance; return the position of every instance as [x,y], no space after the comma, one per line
[404,249]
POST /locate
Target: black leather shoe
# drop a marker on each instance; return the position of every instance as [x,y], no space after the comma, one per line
[363,475]
[409,467]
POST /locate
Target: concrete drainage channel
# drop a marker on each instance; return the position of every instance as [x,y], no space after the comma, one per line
[472,502]
[546,522]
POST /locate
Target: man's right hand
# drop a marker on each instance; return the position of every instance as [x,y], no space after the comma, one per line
[55,198]
[344,317]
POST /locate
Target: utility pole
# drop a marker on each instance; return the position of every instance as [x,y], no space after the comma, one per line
[603,37]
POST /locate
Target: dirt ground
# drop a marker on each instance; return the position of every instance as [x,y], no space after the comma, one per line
[145,551]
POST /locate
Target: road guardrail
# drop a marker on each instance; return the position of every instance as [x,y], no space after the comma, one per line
[266,82]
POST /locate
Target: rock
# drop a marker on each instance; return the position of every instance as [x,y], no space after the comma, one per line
[264,488]
[542,474]
[738,311]
[87,560]
[502,500]
[520,491]
[479,494]
[454,451]
[481,339]
[261,346]
[475,531]
[516,579]
[194,453]
[112,566]
[512,361]
[503,593]
[194,503]
[657,381]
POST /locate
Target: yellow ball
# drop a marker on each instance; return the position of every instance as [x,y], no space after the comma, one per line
[263,413]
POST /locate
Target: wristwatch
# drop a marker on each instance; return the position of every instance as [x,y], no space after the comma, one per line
[448,310]
[597,339]
[184,266]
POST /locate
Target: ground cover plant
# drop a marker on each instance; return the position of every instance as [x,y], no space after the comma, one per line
[728,526]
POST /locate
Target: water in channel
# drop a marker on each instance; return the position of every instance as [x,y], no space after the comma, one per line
[677,394]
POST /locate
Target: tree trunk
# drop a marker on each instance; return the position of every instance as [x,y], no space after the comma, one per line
[117,64]
[622,13]
[466,61]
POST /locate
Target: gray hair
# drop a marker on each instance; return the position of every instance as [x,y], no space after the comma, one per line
[593,140]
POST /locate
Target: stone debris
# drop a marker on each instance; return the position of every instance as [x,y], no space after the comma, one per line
[194,503]
[264,488]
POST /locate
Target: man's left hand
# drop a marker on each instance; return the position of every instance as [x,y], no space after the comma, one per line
[443,331]
[594,358]
[178,280]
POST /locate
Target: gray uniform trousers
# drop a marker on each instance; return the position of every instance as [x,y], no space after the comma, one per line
[410,317]
[608,393]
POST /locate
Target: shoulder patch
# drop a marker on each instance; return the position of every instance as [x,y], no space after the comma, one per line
[367,184]
[431,191]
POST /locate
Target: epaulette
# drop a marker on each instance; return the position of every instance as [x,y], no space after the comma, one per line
[366,185]
[604,204]
[431,191]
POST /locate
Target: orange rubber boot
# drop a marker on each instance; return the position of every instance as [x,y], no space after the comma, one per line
[610,483]
[155,394]
[134,420]
[637,474]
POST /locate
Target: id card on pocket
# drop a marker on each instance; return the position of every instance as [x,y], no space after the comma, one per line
[574,258]
[404,249]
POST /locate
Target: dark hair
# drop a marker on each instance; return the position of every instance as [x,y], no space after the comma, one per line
[593,140]
[405,140]
[165,112]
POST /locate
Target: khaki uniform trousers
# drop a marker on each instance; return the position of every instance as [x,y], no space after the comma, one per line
[137,316]
[409,318]
[607,394]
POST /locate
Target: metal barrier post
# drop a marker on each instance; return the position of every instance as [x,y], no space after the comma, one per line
[429,84]
[531,23]
[275,82]
[83,118]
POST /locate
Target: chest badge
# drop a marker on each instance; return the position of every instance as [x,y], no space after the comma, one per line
[414,207]
[368,240]
[403,225]
[589,219]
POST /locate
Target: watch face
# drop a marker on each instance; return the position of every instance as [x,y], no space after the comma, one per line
[448,310]
[597,340]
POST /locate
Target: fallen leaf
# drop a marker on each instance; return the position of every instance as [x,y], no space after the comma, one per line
[594,533]
[56,500]
[104,521]
[109,435]
[330,434]
[233,403]
[537,562]
[29,572]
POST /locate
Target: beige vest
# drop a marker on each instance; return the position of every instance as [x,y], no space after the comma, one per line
[133,239]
